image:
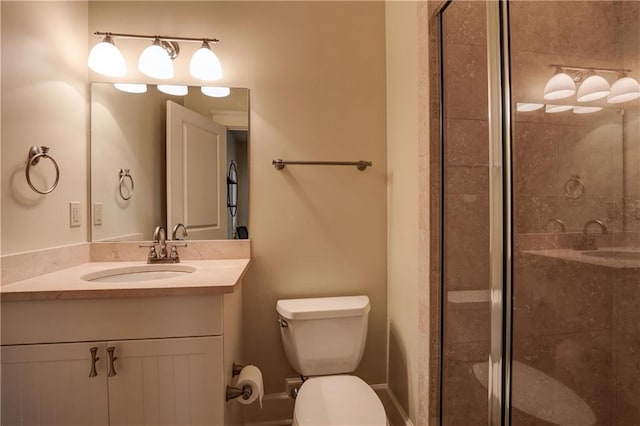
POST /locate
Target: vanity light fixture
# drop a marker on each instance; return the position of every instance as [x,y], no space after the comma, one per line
[585,109]
[560,86]
[528,107]
[156,61]
[106,59]
[173,89]
[205,65]
[131,87]
[625,89]
[591,86]
[216,92]
[551,109]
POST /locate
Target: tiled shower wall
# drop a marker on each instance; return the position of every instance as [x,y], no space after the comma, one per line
[574,322]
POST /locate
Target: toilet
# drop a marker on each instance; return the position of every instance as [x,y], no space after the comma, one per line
[324,340]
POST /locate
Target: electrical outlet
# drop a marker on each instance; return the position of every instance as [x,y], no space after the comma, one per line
[74,214]
[97,213]
[637,210]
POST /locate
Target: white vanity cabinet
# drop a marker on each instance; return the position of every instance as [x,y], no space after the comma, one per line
[172,359]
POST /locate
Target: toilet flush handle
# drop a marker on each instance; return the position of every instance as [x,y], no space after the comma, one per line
[283,323]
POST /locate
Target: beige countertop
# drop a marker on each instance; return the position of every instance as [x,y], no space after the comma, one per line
[217,276]
[588,257]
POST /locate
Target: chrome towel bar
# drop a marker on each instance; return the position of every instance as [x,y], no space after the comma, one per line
[360,165]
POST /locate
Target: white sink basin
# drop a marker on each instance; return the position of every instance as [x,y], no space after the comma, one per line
[139,273]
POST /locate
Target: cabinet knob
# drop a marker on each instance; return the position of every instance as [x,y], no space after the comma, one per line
[94,360]
[112,359]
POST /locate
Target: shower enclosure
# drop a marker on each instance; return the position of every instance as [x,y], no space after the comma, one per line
[537,203]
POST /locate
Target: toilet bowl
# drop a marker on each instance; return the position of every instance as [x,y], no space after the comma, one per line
[338,400]
[324,340]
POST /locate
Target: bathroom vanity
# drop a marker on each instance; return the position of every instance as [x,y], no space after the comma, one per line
[160,351]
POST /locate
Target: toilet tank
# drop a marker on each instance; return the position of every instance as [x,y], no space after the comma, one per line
[326,335]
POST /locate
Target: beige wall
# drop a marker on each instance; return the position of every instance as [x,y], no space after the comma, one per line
[402,201]
[316,74]
[44,102]
[316,71]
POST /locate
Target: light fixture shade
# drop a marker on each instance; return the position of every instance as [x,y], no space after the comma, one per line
[106,59]
[131,87]
[585,109]
[552,109]
[216,92]
[624,90]
[559,86]
[593,88]
[205,65]
[155,62]
[528,107]
[173,89]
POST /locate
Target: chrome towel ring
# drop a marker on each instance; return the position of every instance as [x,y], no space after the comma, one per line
[124,174]
[35,154]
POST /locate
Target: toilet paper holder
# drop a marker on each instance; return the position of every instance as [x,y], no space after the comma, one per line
[236,369]
[232,392]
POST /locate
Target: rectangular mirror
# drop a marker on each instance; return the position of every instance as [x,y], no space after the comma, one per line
[160,159]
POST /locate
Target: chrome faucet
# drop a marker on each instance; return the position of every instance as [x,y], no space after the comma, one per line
[159,254]
[558,222]
[587,241]
[174,232]
[603,227]
[160,238]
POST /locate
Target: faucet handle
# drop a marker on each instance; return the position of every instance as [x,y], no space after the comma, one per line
[152,249]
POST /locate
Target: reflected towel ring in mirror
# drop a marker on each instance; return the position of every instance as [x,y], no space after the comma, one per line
[574,188]
[124,174]
[232,189]
[35,154]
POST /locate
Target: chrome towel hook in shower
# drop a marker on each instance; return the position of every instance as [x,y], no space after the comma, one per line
[124,174]
[35,154]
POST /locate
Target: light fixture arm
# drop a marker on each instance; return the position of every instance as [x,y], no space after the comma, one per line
[155,37]
[589,69]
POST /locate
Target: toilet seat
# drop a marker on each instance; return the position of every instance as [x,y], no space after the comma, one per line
[338,400]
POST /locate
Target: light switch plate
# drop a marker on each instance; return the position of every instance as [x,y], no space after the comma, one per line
[74,214]
[97,213]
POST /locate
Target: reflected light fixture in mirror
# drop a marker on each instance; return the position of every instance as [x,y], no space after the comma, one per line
[552,109]
[593,88]
[205,65]
[585,109]
[106,59]
[560,86]
[215,92]
[155,61]
[624,89]
[528,107]
[173,89]
[131,87]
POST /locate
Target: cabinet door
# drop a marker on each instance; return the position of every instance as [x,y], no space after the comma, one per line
[50,385]
[167,382]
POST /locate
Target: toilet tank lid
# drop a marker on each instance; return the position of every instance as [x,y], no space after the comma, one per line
[323,307]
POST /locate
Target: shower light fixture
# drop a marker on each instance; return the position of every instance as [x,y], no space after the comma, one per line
[624,89]
[173,89]
[593,88]
[131,87]
[216,92]
[156,61]
[106,59]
